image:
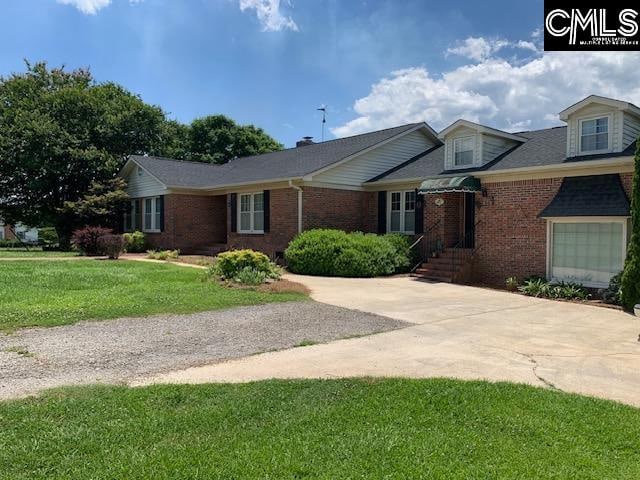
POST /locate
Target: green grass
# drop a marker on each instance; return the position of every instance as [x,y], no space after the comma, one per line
[32,252]
[46,293]
[331,429]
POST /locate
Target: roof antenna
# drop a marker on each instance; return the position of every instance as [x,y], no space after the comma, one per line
[323,109]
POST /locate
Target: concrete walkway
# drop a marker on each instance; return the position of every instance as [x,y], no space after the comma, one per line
[461,332]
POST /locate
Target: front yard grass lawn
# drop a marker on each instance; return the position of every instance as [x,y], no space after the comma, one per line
[321,429]
[33,252]
[47,293]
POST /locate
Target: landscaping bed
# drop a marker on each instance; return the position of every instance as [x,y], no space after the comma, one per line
[319,429]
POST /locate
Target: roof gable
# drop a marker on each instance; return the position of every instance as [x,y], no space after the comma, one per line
[598,100]
[478,128]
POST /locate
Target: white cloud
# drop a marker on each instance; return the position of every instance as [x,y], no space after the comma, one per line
[269,15]
[510,94]
[90,7]
[480,49]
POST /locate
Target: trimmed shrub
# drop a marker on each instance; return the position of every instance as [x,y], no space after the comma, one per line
[612,294]
[111,246]
[163,254]
[48,236]
[134,242]
[337,253]
[405,257]
[243,266]
[86,239]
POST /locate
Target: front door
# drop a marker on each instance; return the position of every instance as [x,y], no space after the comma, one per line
[469,220]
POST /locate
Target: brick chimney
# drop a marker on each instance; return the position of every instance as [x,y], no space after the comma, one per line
[305,141]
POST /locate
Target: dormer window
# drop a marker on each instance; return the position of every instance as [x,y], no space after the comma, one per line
[594,135]
[463,151]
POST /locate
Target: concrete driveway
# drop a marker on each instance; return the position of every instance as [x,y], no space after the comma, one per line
[458,331]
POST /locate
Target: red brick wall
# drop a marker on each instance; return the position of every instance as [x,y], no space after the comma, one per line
[323,208]
[283,225]
[343,209]
[512,240]
[8,234]
[191,222]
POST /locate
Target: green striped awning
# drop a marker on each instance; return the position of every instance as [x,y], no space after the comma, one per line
[450,184]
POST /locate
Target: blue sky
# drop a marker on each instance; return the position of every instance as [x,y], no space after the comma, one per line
[375,63]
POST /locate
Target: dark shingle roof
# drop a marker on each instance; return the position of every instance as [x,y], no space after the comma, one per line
[595,195]
[542,148]
[285,164]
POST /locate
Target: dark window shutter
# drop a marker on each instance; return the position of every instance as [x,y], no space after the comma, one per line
[161,213]
[266,196]
[419,213]
[233,206]
[139,214]
[382,212]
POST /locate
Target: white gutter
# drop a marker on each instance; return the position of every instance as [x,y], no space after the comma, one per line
[295,187]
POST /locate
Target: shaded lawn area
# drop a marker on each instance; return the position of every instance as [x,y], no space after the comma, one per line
[327,429]
[42,293]
[33,252]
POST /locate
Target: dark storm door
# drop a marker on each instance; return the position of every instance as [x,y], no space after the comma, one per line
[469,220]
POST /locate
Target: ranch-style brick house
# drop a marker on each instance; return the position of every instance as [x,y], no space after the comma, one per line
[482,204]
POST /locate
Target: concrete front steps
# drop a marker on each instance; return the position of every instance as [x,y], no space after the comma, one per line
[446,266]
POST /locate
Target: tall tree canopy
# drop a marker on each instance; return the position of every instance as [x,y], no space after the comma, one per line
[61,132]
[216,139]
[63,135]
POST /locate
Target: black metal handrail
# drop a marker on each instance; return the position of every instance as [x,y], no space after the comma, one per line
[426,245]
[460,253]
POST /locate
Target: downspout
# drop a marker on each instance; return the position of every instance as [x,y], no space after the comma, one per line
[295,187]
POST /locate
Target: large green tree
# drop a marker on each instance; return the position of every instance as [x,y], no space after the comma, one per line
[216,139]
[630,285]
[61,132]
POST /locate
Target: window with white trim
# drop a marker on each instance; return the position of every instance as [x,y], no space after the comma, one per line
[130,217]
[402,212]
[594,135]
[251,213]
[151,214]
[587,251]
[463,151]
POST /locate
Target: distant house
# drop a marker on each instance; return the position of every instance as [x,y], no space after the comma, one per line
[483,204]
[26,234]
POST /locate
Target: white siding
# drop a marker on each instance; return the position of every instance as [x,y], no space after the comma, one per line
[377,161]
[590,111]
[492,147]
[630,130]
[143,185]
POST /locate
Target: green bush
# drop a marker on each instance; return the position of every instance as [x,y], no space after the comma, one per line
[10,244]
[539,287]
[630,286]
[250,276]
[134,242]
[244,266]
[405,257]
[163,254]
[341,254]
[612,293]
[48,236]
[512,284]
